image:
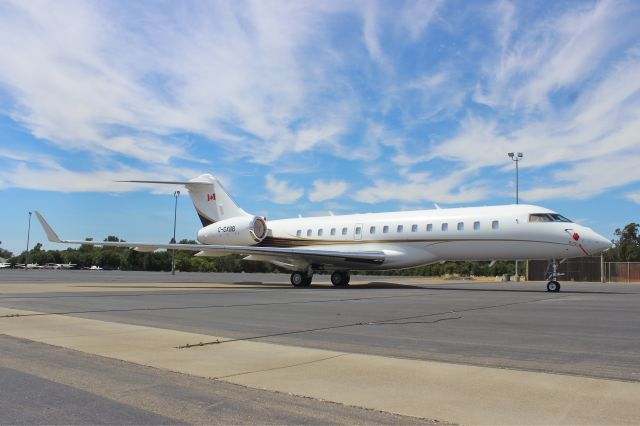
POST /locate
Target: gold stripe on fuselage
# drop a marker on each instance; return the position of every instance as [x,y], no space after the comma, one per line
[303,242]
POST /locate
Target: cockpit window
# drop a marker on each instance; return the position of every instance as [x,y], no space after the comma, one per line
[547,217]
[559,218]
[540,217]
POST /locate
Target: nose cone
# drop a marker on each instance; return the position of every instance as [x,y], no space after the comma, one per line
[602,243]
[596,242]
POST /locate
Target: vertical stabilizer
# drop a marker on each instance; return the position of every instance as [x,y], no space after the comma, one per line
[211,201]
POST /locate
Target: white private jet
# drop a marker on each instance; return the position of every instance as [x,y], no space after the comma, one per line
[59,265]
[28,266]
[373,241]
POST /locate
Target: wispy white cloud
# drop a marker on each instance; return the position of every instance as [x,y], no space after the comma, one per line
[586,179]
[421,187]
[634,196]
[557,52]
[281,191]
[291,85]
[50,175]
[327,189]
[417,15]
[370,31]
[235,73]
[589,141]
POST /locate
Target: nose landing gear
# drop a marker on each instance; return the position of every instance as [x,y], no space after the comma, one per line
[553,286]
[552,275]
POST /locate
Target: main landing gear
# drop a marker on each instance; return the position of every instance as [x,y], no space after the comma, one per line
[552,275]
[340,278]
[303,279]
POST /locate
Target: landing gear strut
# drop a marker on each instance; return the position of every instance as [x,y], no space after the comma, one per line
[340,278]
[552,275]
[300,279]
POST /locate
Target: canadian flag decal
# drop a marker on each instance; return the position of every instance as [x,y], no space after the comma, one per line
[211,197]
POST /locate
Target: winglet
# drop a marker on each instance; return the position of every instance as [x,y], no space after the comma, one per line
[51,234]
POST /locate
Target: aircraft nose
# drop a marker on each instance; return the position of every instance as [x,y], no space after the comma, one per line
[596,242]
[602,243]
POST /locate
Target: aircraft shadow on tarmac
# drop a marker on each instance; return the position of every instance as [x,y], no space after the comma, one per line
[382,285]
[448,287]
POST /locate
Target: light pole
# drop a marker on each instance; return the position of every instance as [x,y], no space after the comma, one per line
[26,257]
[176,194]
[517,158]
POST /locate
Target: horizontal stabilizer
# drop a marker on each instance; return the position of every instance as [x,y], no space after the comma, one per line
[165,182]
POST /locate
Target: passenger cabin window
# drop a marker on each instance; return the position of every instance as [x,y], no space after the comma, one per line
[308,232]
[299,233]
[372,230]
[358,230]
[399,229]
[385,230]
[460,226]
[320,232]
[344,231]
[476,226]
[547,217]
[414,228]
[445,226]
[333,231]
[495,224]
[430,227]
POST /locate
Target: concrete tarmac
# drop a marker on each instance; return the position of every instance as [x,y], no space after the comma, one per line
[43,384]
[587,330]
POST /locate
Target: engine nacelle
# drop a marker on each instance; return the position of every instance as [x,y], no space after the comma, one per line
[236,231]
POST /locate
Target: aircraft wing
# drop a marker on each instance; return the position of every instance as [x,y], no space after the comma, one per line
[333,257]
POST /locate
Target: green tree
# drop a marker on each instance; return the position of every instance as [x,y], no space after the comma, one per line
[627,246]
[5,254]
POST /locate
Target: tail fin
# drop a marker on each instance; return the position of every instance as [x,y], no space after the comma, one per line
[211,201]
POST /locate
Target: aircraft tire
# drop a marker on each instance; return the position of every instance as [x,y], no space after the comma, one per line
[298,279]
[553,286]
[340,278]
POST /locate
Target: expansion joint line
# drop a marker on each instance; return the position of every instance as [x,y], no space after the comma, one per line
[239,305]
[391,321]
[281,368]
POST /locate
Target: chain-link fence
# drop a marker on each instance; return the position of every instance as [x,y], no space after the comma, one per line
[587,269]
[621,272]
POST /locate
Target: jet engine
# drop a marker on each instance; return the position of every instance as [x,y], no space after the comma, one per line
[236,231]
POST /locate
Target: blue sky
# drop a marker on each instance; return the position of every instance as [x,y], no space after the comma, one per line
[303,107]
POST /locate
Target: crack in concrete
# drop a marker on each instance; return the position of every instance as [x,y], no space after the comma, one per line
[377,322]
[280,368]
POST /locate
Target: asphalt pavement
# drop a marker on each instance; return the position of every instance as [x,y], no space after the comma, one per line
[588,329]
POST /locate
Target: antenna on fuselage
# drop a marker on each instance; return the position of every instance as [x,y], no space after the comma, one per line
[437,206]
